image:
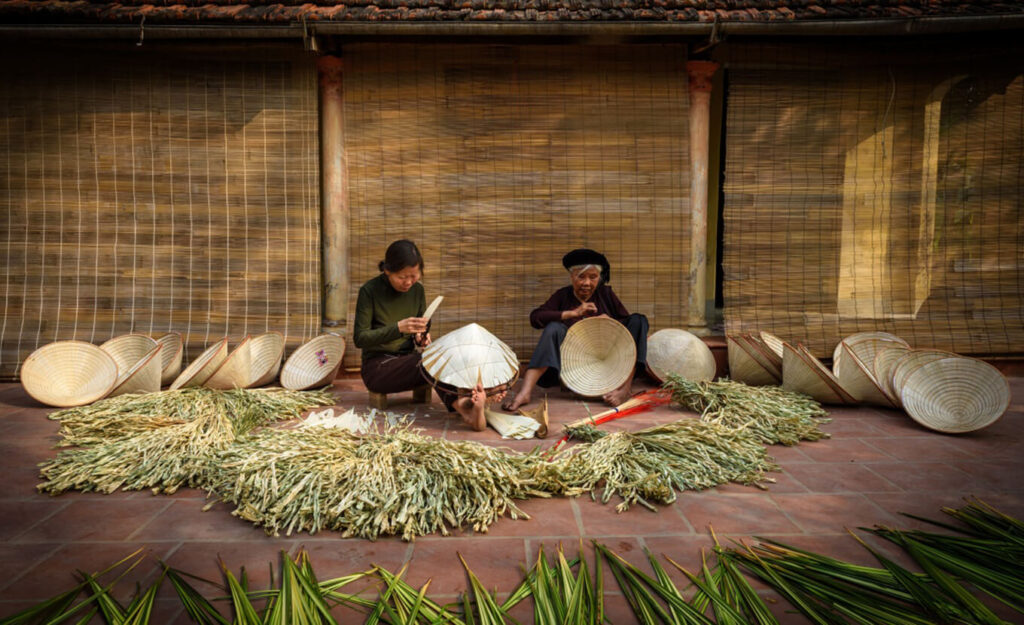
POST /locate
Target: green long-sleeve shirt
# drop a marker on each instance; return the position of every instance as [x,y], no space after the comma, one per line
[379,308]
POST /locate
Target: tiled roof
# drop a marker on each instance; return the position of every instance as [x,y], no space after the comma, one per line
[193,12]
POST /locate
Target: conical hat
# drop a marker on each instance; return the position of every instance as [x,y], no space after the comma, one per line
[863,344]
[956,395]
[860,383]
[143,377]
[679,352]
[909,363]
[598,355]
[885,361]
[127,350]
[743,368]
[234,371]
[170,356]
[825,373]
[763,354]
[313,364]
[801,375]
[200,369]
[471,353]
[773,342]
[68,373]
[267,350]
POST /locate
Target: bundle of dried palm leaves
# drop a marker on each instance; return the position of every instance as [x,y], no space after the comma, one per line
[392,481]
[161,440]
[771,413]
[651,464]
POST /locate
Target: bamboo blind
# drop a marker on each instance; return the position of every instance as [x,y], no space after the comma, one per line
[496,160]
[154,191]
[876,188]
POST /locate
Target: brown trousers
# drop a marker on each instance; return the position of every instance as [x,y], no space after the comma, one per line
[394,373]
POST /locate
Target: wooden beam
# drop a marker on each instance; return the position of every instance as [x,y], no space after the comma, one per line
[334,193]
[699,74]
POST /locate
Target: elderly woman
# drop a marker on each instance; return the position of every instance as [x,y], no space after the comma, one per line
[588,295]
[389,325]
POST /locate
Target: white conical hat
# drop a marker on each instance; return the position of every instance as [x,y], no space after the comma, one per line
[677,351]
[469,354]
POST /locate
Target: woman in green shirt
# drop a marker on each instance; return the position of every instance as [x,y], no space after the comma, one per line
[389,326]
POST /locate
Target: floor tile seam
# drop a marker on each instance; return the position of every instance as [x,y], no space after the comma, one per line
[158,513]
[39,521]
[899,488]
[786,514]
[49,554]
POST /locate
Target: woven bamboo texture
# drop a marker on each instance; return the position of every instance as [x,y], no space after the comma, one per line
[956,395]
[469,355]
[598,355]
[170,356]
[803,373]
[206,364]
[68,373]
[143,377]
[314,363]
[858,379]
[496,160]
[671,350]
[876,188]
[169,190]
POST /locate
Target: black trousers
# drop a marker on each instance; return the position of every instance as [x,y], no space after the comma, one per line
[548,352]
[394,373]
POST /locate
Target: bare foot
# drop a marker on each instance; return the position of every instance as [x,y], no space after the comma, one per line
[472,408]
[619,395]
[512,403]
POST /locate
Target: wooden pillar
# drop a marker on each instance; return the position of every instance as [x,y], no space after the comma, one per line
[699,74]
[333,193]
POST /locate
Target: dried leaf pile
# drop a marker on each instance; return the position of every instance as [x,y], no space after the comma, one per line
[161,440]
[651,464]
[393,481]
[771,413]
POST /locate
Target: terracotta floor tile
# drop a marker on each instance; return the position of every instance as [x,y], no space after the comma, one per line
[617,609]
[736,514]
[895,424]
[995,476]
[96,520]
[186,520]
[55,573]
[202,559]
[340,557]
[850,427]
[548,517]
[832,478]
[683,550]
[928,505]
[496,561]
[926,448]
[22,516]
[829,514]
[784,455]
[843,450]
[783,483]
[602,519]
[926,476]
[16,559]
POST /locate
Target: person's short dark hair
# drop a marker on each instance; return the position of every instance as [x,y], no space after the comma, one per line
[399,255]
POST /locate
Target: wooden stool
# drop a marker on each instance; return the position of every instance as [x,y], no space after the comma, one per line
[420,395]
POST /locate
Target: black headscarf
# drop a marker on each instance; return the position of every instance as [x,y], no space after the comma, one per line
[584,256]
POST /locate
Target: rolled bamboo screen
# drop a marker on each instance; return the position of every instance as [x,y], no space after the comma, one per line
[496,160]
[876,188]
[157,191]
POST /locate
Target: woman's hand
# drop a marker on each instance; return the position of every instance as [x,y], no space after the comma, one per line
[412,325]
[583,310]
[421,340]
